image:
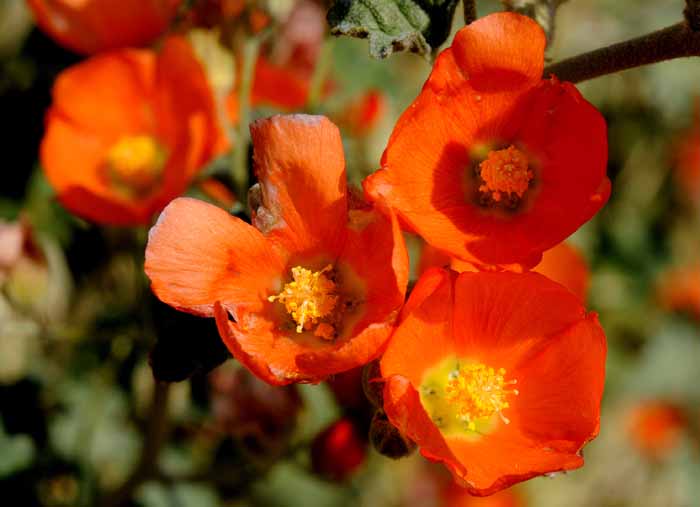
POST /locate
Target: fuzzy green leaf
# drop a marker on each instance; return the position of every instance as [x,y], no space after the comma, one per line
[419,26]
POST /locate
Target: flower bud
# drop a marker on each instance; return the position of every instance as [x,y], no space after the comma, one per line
[388,440]
[338,451]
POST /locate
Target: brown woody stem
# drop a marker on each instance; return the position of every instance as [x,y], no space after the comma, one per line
[675,41]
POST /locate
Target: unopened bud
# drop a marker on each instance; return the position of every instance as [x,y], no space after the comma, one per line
[387,439]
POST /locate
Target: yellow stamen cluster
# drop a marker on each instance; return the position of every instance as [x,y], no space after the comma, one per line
[478,392]
[135,162]
[310,297]
[505,172]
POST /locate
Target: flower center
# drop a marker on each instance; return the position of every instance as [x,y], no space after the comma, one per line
[135,164]
[463,396]
[478,392]
[505,175]
[310,298]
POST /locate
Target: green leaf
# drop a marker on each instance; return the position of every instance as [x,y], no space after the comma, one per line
[419,26]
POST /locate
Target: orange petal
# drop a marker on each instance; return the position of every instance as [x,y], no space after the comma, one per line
[108,94]
[99,25]
[278,86]
[500,50]
[198,254]
[565,264]
[502,459]
[500,318]
[559,400]
[300,164]
[188,120]
[407,354]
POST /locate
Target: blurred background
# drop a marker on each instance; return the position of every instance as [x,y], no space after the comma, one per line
[83,422]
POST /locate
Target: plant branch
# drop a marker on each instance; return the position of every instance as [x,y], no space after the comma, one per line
[675,41]
[469,11]
[154,439]
[249,56]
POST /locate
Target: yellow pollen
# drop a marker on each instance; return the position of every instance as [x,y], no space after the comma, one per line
[478,392]
[308,298]
[135,162]
[505,172]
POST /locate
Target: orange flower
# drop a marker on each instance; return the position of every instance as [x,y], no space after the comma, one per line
[127,132]
[339,450]
[314,287]
[91,26]
[688,158]
[283,71]
[655,428]
[679,290]
[491,163]
[363,113]
[564,264]
[509,383]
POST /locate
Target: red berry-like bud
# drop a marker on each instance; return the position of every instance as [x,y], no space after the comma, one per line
[338,451]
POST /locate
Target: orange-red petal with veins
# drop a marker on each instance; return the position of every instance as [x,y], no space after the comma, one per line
[300,164]
[559,403]
[429,321]
[197,254]
[503,458]
[500,318]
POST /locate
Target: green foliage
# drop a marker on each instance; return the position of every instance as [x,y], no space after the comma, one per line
[419,26]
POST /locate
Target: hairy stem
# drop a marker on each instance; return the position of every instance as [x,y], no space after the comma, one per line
[318,78]
[251,47]
[675,41]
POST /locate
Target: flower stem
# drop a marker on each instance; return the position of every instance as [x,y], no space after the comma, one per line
[239,169]
[318,79]
[154,439]
[675,41]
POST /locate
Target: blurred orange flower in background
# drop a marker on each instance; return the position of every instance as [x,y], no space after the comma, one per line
[656,427]
[128,130]
[363,114]
[566,265]
[687,153]
[508,385]
[91,26]
[490,163]
[678,289]
[339,450]
[314,287]
[283,70]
